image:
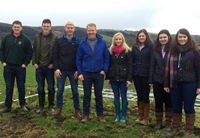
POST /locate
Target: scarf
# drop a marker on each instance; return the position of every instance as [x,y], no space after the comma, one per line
[117,50]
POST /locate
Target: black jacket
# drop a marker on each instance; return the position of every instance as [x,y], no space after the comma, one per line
[141,60]
[64,54]
[120,67]
[157,67]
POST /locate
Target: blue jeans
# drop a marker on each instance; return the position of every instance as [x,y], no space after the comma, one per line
[184,94]
[97,80]
[119,88]
[10,73]
[61,87]
[43,73]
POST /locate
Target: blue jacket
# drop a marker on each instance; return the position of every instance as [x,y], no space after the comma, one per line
[88,61]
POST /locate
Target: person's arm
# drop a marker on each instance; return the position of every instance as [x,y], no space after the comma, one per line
[130,67]
[79,59]
[106,55]
[167,75]
[151,70]
[2,50]
[56,56]
[197,69]
[29,52]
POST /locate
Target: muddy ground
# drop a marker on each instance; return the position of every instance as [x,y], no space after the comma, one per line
[20,126]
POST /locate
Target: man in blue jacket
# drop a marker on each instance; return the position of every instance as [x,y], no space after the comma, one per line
[92,60]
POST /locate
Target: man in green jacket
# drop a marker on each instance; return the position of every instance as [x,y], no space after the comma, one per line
[15,54]
[43,62]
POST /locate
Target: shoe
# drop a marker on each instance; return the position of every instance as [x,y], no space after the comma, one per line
[85,119]
[51,109]
[167,128]
[77,114]
[144,122]
[39,110]
[138,121]
[158,126]
[24,108]
[123,119]
[57,112]
[5,110]
[101,119]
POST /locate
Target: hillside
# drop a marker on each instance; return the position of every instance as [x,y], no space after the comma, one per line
[80,32]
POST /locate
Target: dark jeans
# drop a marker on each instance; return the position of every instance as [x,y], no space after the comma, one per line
[97,80]
[142,88]
[61,87]
[161,97]
[43,73]
[10,73]
[184,94]
[119,88]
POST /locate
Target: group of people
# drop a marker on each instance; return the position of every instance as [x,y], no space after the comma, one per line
[170,66]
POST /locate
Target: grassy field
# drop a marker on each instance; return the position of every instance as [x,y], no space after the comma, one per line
[18,124]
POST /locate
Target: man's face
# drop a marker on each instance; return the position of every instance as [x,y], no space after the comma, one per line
[46,28]
[91,31]
[69,29]
[17,28]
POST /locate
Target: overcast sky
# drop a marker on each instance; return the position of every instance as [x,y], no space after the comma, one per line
[152,15]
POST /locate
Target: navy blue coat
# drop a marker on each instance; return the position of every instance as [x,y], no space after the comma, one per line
[141,60]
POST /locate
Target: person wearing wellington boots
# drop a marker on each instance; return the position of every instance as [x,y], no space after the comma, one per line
[120,73]
[163,106]
[42,60]
[141,53]
[182,80]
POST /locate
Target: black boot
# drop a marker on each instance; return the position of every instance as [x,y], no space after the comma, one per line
[51,96]
[41,102]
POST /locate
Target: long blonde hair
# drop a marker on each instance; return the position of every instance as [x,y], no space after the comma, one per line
[126,47]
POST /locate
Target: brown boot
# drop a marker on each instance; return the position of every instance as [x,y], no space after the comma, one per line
[177,118]
[159,117]
[77,114]
[190,119]
[85,119]
[57,112]
[145,120]
[140,112]
[168,119]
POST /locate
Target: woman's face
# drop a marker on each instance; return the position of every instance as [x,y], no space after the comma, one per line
[118,40]
[182,39]
[163,39]
[142,37]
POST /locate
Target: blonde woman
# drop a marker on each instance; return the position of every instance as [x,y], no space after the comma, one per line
[120,73]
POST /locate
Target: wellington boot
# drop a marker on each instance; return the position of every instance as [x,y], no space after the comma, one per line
[190,119]
[140,112]
[177,118]
[124,110]
[159,117]
[145,120]
[117,111]
[77,114]
[168,119]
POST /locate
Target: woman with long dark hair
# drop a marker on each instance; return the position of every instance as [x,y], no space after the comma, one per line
[183,80]
[156,79]
[141,56]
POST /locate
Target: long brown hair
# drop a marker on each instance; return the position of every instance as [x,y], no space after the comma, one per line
[157,44]
[148,40]
[191,44]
